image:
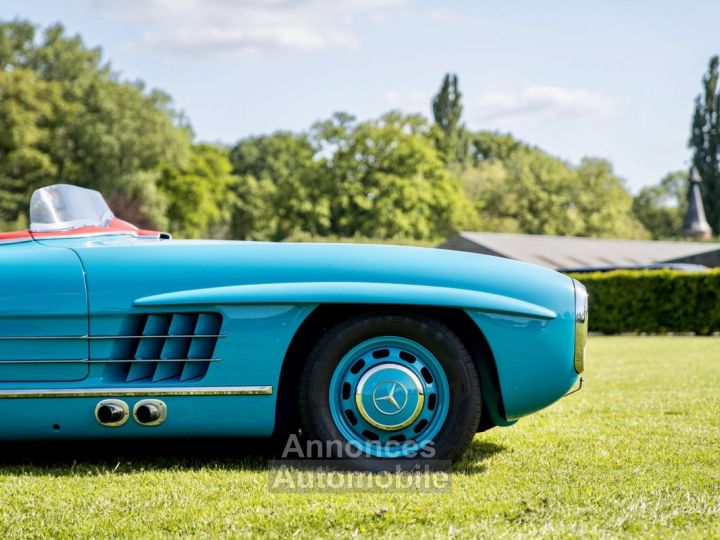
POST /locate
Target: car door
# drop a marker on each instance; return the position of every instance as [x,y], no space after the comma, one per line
[43,314]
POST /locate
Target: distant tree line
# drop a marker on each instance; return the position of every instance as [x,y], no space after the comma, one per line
[67,117]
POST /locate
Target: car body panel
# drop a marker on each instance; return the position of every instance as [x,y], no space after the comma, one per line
[264,292]
[72,418]
[42,297]
[345,292]
[531,361]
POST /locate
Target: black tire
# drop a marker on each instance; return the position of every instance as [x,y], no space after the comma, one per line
[465,404]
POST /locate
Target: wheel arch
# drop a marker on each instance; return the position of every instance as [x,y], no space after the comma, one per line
[325,316]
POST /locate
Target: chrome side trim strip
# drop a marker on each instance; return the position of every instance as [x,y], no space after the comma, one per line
[160,336]
[110,361]
[137,392]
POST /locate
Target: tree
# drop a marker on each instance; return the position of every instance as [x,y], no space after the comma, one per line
[279,189]
[661,208]
[487,145]
[198,193]
[705,142]
[66,117]
[387,181]
[452,140]
[518,188]
[533,192]
[379,179]
[28,114]
[123,129]
[601,204]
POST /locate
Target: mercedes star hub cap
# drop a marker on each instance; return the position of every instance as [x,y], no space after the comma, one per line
[389,397]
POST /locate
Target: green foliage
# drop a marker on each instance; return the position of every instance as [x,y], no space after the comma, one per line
[386,179]
[452,138]
[447,105]
[380,179]
[518,188]
[199,193]
[53,57]
[529,191]
[66,118]
[138,200]
[705,142]
[280,188]
[600,204]
[661,208]
[28,116]
[653,301]
[493,146]
[123,130]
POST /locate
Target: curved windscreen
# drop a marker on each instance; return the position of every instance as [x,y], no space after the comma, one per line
[62,207]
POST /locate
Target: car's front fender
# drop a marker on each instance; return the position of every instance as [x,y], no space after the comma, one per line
[351,293]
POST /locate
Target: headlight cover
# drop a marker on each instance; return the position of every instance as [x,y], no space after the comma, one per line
[581,324]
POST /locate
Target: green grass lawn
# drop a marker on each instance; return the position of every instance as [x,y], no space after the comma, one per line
[636,452]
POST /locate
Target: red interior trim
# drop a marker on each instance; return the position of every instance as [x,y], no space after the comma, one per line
[114,227]
[15,235]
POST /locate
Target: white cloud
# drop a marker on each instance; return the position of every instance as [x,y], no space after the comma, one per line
[508,107]
[550,102]
[237,27]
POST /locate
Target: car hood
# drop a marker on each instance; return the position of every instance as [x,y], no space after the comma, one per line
[142,267]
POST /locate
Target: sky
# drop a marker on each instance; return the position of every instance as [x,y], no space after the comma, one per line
[611,79]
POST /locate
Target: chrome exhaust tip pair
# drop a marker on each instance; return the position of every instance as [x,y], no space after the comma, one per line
[115,412]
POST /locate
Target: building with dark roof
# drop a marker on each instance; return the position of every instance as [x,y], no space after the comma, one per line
[567,253]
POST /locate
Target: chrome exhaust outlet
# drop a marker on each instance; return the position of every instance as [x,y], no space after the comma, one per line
[150,412]
[112,412]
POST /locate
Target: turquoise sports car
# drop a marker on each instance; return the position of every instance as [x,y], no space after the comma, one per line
[108,331]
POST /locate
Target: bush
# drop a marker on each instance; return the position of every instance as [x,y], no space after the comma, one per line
[653,301]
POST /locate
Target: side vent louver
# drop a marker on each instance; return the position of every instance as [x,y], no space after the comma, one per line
[165,347]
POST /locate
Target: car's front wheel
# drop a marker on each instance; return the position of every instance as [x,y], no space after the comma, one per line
[390,386]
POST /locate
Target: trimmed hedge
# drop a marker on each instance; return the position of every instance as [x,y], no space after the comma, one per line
[653,301]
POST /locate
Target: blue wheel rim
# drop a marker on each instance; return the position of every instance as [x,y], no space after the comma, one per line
[389,397]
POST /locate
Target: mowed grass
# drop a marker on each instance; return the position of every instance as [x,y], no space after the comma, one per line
[636,452]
